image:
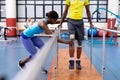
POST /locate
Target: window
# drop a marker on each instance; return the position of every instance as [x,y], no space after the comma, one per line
[119,7]
[98,15]
[2,11]
[36,9]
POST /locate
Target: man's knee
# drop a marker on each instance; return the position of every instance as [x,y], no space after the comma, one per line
[72,36]
[79,44]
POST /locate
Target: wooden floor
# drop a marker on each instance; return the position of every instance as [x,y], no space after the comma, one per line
[64,73]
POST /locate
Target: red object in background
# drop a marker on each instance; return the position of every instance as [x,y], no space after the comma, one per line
[11,22]
[111,23]
[100,33]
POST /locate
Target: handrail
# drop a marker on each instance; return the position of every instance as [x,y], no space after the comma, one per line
[117,16]
[45,35]
[109,30]
[103,48]
[32,71]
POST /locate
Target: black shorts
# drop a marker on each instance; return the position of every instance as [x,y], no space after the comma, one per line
[76,27]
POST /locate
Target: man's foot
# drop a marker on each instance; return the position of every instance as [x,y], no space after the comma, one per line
[21,65]
[78,66]
[71,64]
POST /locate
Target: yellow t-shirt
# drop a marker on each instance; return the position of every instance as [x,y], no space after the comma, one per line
[76,8]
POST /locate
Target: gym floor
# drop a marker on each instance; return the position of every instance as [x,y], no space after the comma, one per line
[11,53]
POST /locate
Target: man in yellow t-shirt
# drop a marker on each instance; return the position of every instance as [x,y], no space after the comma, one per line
[76,27]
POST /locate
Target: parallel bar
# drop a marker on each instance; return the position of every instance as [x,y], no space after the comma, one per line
[91,45]
[32,72]
[45,35]
[103,48]
[103,53]
[109,30]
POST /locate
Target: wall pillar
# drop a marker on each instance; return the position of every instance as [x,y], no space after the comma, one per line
[11,17]
[113,6]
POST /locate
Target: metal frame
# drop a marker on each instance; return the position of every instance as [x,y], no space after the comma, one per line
[33,72]
[52,4]
[103,49]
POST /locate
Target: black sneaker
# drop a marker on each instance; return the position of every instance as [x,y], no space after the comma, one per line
[78,66]
[21,65]
[71,64]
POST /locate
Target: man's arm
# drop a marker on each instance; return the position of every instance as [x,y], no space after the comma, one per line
[58,21]
[64,14]
[89,15]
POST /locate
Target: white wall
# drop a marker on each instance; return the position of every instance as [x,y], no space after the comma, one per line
[3,24]
[114,7]
[20,25]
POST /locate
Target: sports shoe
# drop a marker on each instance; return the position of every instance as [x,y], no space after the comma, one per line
[71,64]
[78,66]
[44,70]
[21,65]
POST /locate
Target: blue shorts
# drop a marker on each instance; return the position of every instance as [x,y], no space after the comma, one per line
[76,27]
[30,44]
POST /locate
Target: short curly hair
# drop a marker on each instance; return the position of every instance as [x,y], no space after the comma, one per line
[52,14]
